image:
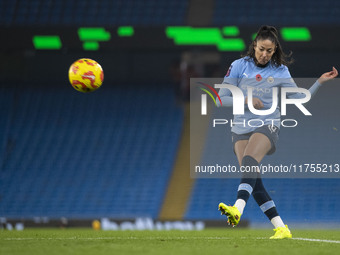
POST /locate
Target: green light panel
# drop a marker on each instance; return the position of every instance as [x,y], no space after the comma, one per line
[296,34]
[235,44]
[225,39]
[47,42]
[90,45]
[204,36]
[93,34]
[188,35]
[231,31]
[125,31]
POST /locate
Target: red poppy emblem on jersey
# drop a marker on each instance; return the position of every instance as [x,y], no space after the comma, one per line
[258,77]
[229,70]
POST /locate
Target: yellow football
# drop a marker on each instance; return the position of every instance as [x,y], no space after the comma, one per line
[86,75]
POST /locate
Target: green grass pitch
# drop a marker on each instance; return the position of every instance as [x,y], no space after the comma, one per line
[210,241]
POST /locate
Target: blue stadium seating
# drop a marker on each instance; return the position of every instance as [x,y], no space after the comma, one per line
[289,12]
[85,12]
[163,12]
[105,154]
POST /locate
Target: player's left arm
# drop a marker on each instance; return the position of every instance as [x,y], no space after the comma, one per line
[328,76]
[315,87]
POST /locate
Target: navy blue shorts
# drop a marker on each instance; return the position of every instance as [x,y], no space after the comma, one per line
[272,132]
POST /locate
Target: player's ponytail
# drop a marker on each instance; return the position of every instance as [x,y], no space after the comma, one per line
[270,33]
[267,29]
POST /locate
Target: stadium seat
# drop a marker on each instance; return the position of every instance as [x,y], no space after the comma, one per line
[66,154]
[105,12]
[287,13]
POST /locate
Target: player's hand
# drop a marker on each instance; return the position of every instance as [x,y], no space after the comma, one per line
[328,76]
[257,103]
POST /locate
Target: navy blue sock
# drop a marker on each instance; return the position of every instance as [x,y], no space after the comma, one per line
[248,179]
[263,199]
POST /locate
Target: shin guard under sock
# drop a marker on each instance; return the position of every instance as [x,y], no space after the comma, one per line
[263,199]
[249,175]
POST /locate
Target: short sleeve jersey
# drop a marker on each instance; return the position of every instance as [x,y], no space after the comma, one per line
[244,73]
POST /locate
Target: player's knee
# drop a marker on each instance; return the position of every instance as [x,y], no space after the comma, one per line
[249,160]
[249,168]
[255,155]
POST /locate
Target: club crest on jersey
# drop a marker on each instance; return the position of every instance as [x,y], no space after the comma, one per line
[258,77]
[229,70]
[270,79]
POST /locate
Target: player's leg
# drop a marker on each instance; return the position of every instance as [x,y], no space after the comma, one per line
[268,207]
[242,194]
[266,204]
[247,152]
[239,149]
[260,194]
[257,147]
[232,212]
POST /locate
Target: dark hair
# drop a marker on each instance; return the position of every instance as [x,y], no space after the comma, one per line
[270,33]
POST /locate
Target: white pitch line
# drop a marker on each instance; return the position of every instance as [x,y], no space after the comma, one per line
[160,238]
[115,238]
[309,240]
[316,240]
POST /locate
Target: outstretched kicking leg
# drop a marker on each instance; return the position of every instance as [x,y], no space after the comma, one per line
[250,153]
[244,191]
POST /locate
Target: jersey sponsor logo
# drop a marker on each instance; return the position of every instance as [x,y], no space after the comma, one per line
[258,77]
[246,75]
[257,90]
[229,70]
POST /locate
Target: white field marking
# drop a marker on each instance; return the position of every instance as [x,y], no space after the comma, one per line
[160,238]
[309,240]
[116,238]
[316,240]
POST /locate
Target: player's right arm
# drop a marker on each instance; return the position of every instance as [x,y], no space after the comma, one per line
[232,77]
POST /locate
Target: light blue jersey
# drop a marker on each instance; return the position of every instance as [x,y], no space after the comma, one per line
[244,73]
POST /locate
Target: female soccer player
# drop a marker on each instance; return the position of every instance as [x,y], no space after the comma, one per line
[263,67]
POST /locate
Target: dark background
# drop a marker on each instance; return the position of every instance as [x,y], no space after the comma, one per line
[112,153]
